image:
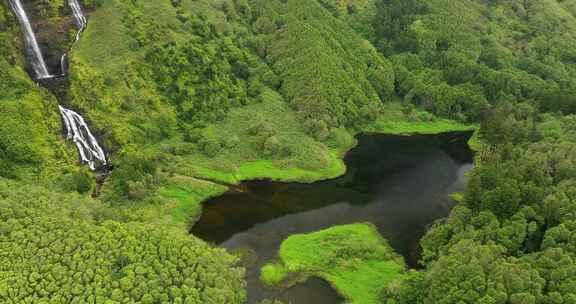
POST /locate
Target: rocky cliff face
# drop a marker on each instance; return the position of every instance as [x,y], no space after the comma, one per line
[55,28]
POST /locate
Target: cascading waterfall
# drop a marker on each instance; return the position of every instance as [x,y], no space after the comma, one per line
[79,16]
[78,131]
[36,59]
[76,128]
[81,22]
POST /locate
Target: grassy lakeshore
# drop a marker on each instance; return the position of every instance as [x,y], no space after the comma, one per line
[250,120]
[189,197]
[354,259]
[271,170]
[335,167]
[425,128]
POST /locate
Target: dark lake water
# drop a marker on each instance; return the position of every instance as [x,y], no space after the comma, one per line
[401,184]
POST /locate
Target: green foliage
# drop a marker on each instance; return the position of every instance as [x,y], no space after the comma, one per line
[192,84]
[273,274]
[455,57]
[359,14]
[81,181]
[355,259]
[136,177]
[246,89]
[261,140]
[233,91]
[60,248]
[30,148]
[329,72]
[483,276]
[189,194]
[515,222]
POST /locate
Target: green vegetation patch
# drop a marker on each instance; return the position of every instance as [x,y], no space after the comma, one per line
[405,119]
[105,44]
[31,147]
[258,141]
[354,258]
[435,126]
[69,248]
[189,195]
[237,90]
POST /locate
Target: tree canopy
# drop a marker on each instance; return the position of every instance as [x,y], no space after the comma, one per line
[189,96]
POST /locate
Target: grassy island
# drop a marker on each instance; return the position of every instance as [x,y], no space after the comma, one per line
[354,259]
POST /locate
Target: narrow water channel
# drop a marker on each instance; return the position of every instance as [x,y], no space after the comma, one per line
[399,183]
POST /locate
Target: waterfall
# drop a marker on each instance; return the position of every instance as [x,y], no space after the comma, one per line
[81,22]
[76,128]
[90,152]
[33,49]
[79,16]
[63,66]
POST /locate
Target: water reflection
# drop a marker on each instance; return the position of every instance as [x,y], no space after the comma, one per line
[400,184]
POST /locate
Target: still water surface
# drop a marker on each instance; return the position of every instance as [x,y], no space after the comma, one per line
[399,183]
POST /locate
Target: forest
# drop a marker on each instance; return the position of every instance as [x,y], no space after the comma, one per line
[190,98]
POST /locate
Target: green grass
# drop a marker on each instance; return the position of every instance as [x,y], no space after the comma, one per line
[354,259]
[405,127]
[309,161]
[267,169]
[188,196]
[262,169]
[476,143]
[273,274]
[105,45]
[245,159]
[365,283]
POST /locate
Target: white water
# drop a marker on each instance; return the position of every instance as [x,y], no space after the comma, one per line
[37,61]
[81,23]
[63,64]
[79,16]
[90,151]
[77,130]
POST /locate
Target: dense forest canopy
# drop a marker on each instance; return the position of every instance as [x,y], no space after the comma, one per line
[61,248]
[187,95]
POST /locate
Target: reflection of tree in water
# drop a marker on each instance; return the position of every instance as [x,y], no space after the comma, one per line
[401,184]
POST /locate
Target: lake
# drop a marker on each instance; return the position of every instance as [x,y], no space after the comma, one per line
[401,184]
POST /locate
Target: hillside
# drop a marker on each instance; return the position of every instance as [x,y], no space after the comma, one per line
[191,97]
[233,91]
